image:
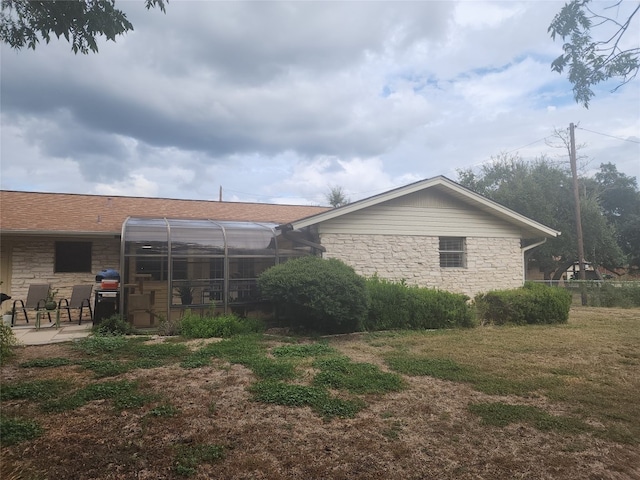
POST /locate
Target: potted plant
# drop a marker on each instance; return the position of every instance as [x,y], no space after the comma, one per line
[50,301]
[186,294]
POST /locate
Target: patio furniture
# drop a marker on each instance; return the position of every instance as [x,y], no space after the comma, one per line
[36,298]
[80,298]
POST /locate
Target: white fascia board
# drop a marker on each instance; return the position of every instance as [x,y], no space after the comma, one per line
[459,191]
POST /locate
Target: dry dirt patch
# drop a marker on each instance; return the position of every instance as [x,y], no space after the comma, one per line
[424,431]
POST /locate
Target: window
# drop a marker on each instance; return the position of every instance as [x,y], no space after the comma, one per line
[154,266]
[452,252]
[73,257]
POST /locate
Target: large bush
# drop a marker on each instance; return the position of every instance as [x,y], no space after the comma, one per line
[394,305]
[531,304]
[321,295]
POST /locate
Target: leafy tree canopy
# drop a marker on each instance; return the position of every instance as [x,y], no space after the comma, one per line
[337,197]
[619,199]
[591,60]
[80,22]
[542,190]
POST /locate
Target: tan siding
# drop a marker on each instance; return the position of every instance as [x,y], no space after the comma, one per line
[389,219]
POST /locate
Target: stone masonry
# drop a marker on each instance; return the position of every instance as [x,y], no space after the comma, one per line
[492,263]
[33,262]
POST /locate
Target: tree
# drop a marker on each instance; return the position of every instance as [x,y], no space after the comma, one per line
[592,61]
[619,199]
[542,190]
[25,22]
[337,197]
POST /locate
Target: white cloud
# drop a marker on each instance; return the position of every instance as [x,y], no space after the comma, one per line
[277,102]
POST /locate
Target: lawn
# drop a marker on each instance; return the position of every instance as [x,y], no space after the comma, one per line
[534,402]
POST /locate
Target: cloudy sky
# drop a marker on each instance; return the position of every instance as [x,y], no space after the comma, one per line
[281,101]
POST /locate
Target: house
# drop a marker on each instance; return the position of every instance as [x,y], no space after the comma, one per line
[177,254]
[433,233]
[66,239]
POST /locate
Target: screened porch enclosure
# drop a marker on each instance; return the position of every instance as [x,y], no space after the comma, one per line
[207,266]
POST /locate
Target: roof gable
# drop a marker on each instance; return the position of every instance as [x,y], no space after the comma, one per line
[407,195]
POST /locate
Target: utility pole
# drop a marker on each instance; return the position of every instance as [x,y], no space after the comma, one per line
[576,198]
[220,194]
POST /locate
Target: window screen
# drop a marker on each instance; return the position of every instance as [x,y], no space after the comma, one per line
[73,257]
[452,252]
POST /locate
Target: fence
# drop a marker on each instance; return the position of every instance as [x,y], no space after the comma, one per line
[600,293]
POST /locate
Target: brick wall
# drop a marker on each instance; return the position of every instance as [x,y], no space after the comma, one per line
[492,263]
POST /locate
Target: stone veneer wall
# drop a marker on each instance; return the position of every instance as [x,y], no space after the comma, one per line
[492,263]
[32,261]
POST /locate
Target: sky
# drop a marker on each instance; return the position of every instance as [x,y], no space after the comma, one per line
[279,102]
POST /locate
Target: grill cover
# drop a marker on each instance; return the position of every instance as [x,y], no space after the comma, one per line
[108,274]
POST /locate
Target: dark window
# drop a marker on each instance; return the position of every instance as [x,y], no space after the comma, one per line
[154,266]
[73,257]
[452,252]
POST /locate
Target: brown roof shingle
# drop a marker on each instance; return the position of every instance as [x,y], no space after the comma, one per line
[32,212]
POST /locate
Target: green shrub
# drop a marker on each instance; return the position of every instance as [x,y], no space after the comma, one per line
[325,296]
[532,304]
[389,305]
[394,305]
[223,326]
[7,342]
[114,325]
[617,295]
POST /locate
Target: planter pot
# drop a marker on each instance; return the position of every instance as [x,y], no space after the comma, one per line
[6,319]
[50,305]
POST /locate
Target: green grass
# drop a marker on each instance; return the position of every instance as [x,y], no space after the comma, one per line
[124,395]
[46,362]
[303,350]
[247,350]
[447,369]
[318,398]
[101,344]
[36,390]
[164,410]
[443,368]
[588,364]
[502,414]
[359,378]
[15,430]
[188,457]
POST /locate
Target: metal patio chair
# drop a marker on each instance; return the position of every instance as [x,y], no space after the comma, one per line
[36,298]
[80,298]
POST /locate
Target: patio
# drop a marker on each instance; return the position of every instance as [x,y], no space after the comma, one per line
[48,333]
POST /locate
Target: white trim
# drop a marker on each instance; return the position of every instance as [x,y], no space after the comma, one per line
[454,188]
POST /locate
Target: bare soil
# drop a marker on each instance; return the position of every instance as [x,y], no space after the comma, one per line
[423,432]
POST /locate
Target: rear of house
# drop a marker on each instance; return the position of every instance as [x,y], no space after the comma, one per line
[178,254]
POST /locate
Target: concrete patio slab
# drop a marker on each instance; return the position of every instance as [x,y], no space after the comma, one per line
[48,333]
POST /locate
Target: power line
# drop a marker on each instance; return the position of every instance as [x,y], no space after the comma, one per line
[607,135]
[529,144]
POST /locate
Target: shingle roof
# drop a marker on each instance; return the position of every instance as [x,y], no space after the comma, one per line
[32,212]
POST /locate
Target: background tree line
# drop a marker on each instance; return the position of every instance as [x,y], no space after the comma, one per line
[542,190]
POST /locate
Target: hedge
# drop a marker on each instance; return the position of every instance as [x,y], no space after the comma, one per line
[394,305]
[531,304]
